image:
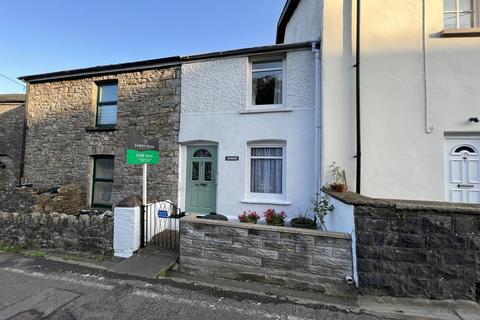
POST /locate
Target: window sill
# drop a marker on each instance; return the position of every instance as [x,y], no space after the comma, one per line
[267,201]
[266,110]
[465,32]
[99,129]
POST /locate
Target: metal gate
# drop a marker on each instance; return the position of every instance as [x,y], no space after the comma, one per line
[160,225]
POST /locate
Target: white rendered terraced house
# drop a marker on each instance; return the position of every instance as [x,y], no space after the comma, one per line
[400,92]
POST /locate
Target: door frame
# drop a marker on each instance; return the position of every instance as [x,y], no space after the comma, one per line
[183,163]
[448,137]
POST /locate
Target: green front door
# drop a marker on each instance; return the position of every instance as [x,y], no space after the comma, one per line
[201,191]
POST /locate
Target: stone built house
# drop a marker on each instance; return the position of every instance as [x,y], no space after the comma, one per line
[78,121]
[12,113]
[408,128]
[235,128]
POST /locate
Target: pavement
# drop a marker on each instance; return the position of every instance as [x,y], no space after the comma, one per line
[53,288]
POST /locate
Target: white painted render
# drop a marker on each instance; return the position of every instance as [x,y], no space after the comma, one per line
[305,23]
[215,99]
[342,219]
[400,159]
[126,231]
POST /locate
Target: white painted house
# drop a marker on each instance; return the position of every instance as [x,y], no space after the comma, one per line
[247,130]
[418,93]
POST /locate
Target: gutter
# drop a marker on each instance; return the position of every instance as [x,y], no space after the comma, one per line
[358,155]
[318,144]
[158,63]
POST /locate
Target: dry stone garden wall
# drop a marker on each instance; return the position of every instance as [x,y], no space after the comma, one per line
[92,234]
[290,257]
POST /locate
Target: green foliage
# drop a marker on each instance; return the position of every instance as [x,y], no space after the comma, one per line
[321,207]
[35,253]
[12,249]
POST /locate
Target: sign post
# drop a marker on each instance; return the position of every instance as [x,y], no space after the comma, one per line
[142,150]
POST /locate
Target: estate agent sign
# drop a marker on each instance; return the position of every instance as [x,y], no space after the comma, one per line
[142,150]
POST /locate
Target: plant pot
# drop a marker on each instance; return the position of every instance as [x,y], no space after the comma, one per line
[338,187]
[303,223]
[278,224]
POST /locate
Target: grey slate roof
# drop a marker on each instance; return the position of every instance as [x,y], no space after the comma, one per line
[12,98]
[157,63]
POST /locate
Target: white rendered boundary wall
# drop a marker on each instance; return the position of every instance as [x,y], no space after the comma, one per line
[342,220]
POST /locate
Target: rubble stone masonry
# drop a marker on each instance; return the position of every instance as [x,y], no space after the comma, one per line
[62,137]
[11,132]
[57,231]
[417,248]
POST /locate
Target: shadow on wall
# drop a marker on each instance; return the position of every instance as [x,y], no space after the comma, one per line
[11,132]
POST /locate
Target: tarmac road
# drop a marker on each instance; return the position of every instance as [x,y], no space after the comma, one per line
[41,289]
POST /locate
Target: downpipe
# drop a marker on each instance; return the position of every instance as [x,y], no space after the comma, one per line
[318,147]
[428,127]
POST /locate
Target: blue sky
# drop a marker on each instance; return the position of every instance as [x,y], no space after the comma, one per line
[51,35]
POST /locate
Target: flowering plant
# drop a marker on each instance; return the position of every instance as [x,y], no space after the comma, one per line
[275,218]
[250,217]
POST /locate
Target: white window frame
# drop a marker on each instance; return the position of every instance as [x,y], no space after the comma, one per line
[250,105]
[255,196]
[475,13]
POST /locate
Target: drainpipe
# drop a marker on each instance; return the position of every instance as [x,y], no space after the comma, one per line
[358,155]
[318,147]
[428,127]
[24,137]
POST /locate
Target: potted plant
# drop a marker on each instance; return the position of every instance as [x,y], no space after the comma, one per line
[303,221]
[321,207]
[339,183]
[250,217]
[273,218]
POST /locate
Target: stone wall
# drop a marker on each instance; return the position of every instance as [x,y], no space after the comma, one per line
[69,199]
[291,257]
[417,249]
[16,199]
[61,138]
[58,231]
[11,131]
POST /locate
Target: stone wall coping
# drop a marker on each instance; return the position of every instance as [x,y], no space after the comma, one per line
[192,218]
[406,205]
[53,215]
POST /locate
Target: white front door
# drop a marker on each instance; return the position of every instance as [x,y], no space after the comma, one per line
[463,170]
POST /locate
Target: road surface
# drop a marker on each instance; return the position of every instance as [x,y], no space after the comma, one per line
[41,289]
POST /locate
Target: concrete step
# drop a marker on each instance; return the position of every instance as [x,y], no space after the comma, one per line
[147,263]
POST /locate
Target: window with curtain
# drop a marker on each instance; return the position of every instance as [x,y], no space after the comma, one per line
[107,104]
[460,14]
[102,185]
[266,170]
[267,82]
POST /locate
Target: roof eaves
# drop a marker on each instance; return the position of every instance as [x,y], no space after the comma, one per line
[156,63]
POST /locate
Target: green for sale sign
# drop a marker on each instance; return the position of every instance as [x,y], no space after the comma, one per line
[142,150]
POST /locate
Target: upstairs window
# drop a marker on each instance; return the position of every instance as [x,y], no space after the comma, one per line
[267,82]
[107,104]
[102,185]
[461,14]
